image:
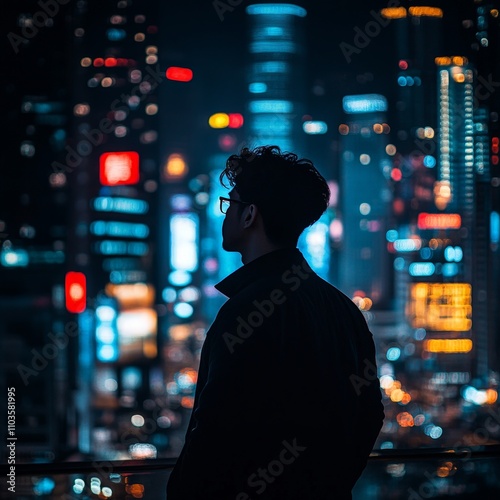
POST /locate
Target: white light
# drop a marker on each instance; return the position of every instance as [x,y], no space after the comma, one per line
[315,127]
[105,334]
[183,310]
[107,491]
[142,450]
[179,278]
[407,245]
[136,323]
[13,258]
[105,313]
[137,420]
[189,294]
[365,208]
[107,353]
[183,242]
[421,269]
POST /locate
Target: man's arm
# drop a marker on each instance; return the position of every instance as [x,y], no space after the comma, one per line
[225,405]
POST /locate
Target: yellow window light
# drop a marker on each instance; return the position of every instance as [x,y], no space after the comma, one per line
[449,346]
[393,12]
[422,11]
[219,120]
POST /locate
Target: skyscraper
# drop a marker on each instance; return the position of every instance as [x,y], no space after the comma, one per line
[35,346]
[112,166]
[275,76]
[365,199]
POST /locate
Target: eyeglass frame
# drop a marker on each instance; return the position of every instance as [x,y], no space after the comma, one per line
[222,199]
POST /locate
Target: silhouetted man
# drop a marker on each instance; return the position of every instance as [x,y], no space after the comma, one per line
[288,402]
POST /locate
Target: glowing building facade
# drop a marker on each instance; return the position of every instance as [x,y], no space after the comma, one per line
[275,74]
[112,156]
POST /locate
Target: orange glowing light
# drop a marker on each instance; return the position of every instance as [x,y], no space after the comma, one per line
[425,11]
[187,402]
[440,307]
[393,12]
[452,346]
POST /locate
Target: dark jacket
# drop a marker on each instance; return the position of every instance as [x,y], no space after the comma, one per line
[288,402]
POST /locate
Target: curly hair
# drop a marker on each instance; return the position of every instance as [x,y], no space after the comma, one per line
[289,191]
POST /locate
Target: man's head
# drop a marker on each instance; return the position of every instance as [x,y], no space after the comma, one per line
[283,193]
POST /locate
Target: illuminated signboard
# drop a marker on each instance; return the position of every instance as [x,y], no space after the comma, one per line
[131,295]
[179,74]
[365,103]
[137,330]
[451,346]
[440,306]
[439,221]
[183,242]
[119,168]
[75,285]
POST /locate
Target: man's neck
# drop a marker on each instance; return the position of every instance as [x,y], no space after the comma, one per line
[255,251]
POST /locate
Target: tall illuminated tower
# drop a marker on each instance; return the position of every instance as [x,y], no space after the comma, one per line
[418,39]
[484,26]
[112,167]
[275,74]
[365,199]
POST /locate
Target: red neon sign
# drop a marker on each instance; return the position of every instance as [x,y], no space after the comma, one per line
[439,221]
[119,168]
[75,291]
[179,74]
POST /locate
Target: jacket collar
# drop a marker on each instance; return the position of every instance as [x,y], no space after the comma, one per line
[273,262]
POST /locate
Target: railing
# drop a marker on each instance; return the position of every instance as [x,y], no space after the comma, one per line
[463,473]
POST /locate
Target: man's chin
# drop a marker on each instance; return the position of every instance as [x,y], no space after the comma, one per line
[228,247]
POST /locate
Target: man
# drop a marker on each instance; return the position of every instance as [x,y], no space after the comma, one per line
[288,402]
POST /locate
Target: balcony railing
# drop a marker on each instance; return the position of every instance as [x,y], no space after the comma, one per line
[464,473]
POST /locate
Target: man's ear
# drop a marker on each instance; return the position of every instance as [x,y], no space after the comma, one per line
[251,212]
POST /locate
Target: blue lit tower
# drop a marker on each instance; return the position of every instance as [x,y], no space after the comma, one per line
[274,110]
[275,74]
[365,199]
[276,89]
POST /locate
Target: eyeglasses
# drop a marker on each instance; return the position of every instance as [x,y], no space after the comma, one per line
[225,203]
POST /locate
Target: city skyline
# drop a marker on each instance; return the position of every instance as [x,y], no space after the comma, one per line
[122,118]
